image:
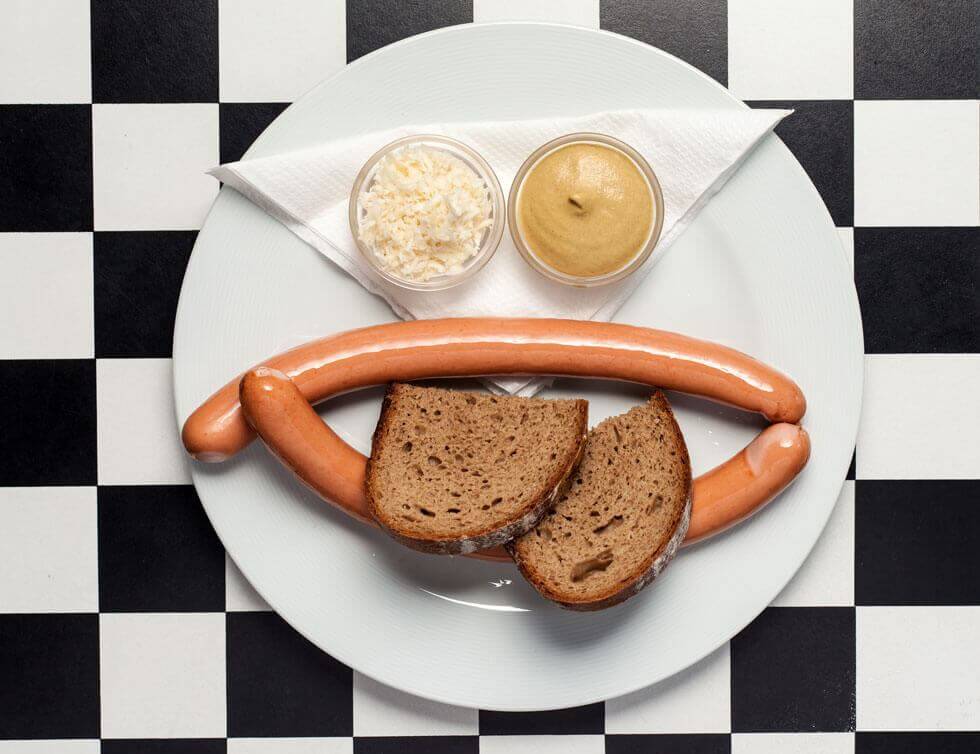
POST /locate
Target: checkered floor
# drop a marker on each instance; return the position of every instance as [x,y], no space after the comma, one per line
[123,626]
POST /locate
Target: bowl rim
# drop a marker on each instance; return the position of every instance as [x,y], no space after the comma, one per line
[586,137]
[491,240]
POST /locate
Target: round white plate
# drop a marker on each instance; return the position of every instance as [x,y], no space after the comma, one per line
[761,269]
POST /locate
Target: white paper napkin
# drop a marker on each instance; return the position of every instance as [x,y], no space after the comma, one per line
[693,153]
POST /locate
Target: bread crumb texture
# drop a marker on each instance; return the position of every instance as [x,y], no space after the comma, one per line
[622,509]
[449,464]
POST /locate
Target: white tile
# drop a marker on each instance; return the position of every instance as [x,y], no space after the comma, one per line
[917,668]
[920,416]
[138,436]
[696,700]
[44,52]
[274,52]
[542,745]
[793,743]
[916,163]
[149,165]
[791,49]
[239,594]
[846,236]
[380,710]
[289,746]
[49,545]
[46,299]
[50,747]
[162,675]
[827,577]
[576,12]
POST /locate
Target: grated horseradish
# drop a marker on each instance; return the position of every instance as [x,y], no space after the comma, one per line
[424,213]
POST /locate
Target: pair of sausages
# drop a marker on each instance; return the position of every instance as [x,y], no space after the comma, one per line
[275,400]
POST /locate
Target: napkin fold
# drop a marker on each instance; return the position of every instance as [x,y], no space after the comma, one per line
[693,153]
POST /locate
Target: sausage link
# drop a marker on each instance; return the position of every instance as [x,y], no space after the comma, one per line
[297,436]
[743,484]
[275,407]
[424,349]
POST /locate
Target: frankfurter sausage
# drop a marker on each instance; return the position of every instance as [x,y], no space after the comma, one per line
[734,490]
[275,407]
[423,349]
[294,433]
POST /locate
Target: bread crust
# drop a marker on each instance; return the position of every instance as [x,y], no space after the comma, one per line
[528,517]
[651,567]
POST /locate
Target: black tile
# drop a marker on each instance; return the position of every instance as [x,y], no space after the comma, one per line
[572,720]
[137,283]
[918,50]
[372,24]
[418,745]
[820,135]
[279,684]
[49,427]
[917,743]
[165,746]
[793,670]
[706,743]
[148,51]
[694,30]
[49,666]
[45,168]
[917,542]
[919,289]
[241,123]
[158,552]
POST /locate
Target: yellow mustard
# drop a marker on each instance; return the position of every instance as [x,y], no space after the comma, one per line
[585,209]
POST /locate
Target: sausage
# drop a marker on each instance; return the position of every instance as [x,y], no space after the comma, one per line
[294,433]
[736,489]
[424,349]
[275,407]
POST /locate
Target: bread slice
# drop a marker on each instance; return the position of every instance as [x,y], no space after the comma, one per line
[454,472]
[621,520]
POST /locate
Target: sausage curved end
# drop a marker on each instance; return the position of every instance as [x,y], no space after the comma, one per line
[792,409]
[745,483]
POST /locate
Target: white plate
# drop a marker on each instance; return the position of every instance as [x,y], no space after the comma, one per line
[761,269]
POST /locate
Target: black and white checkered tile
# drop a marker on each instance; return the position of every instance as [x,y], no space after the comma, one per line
[123,626]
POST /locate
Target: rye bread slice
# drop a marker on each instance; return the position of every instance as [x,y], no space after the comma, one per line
[623,517]
[454,472]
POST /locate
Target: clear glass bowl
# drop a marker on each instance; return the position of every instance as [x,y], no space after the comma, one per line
[557,275]
[491,237]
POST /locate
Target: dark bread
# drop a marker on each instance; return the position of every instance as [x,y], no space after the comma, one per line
[454,472]
[623,518]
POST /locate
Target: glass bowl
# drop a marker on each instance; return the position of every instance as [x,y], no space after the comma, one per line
[491,237]
[550,272]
